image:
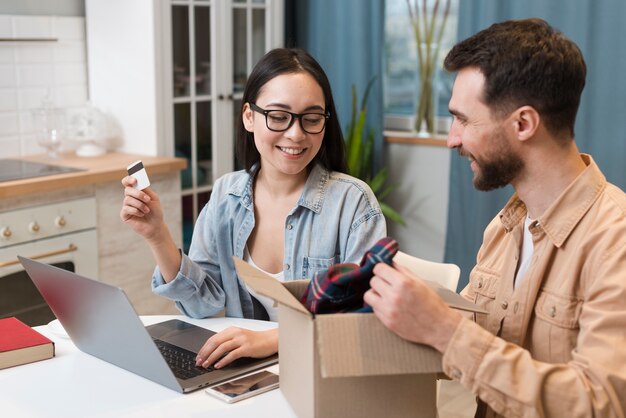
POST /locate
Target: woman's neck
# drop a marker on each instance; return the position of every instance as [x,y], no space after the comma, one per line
[280,185]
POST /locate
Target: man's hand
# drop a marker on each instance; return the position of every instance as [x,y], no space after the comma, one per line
[233,343]
[410,308]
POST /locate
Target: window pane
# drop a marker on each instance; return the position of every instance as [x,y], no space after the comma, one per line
[203,122]
[258,35]
[182,140]
[240,69]
[188,221]
[203,50]
[180,48]
[203,199]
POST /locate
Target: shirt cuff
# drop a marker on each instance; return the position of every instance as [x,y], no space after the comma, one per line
[465,351]
[181,287]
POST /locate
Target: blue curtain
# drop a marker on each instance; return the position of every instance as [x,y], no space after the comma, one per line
[598,29]
[346,37]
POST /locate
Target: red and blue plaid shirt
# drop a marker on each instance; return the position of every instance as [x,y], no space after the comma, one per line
[342,286]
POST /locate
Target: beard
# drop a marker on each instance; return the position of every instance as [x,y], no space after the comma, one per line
[498,167]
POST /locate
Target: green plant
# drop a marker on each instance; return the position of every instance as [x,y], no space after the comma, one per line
[360,147]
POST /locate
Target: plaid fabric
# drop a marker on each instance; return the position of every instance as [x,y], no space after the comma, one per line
[341,287]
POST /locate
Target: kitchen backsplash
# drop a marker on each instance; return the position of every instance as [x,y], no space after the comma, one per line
[30,71]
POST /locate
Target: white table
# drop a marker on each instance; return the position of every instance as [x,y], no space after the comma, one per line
[75,384]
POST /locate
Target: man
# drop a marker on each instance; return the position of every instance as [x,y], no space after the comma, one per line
[551,271]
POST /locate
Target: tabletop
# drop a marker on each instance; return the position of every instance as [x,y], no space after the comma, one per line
[76,384]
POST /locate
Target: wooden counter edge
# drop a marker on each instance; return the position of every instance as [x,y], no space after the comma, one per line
[398,137]
[107,168]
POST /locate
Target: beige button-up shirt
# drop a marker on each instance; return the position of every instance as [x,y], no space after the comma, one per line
[555,346]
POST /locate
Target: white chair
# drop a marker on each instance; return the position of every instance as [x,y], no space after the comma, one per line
[445,274]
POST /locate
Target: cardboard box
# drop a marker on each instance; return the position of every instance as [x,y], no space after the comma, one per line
[346,365]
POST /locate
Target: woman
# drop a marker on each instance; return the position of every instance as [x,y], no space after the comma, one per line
[291,212]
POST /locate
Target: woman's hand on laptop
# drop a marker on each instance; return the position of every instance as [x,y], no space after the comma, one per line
[233,343]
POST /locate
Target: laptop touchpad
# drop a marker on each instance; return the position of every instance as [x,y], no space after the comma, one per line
[181,334]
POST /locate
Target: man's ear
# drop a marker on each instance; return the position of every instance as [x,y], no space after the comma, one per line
[526,120]
[247,117]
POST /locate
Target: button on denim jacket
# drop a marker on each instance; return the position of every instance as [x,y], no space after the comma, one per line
[337,219]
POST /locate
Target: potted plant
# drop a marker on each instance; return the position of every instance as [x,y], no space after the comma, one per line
[359,147]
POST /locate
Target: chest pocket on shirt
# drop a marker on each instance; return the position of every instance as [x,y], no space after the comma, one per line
[311,265]
[482,290]
[483,285]
[557,324]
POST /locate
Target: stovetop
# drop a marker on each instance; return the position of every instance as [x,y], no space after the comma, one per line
[11,169]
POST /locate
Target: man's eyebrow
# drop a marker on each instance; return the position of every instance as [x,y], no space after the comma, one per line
[457,114]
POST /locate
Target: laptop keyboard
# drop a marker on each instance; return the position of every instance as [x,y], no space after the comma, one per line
[181,361]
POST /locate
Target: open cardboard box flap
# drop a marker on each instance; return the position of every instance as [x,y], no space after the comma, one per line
[268,286]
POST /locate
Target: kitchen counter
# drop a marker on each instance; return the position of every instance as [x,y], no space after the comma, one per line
[106,168]
[124,259]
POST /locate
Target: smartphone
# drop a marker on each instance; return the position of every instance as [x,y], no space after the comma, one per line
[244,387]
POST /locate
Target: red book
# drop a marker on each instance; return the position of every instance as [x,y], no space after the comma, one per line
[20,344]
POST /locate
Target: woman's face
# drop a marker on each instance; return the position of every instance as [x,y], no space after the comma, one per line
[290,151]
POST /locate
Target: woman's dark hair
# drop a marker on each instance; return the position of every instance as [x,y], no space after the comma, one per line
[526,62]
[332,154]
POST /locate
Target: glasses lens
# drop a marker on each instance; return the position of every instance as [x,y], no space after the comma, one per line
[313,123]
[277,120]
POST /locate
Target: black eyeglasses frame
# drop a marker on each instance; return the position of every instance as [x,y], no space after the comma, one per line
[294,116]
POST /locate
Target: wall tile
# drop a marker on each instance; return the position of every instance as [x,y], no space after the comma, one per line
[67,96]
[7,54]
[69,27]
[30,98]
[27,122]
[10,147]
[29,72]
[30,145]
[71,74]
[7,76]
[8,123]
[33,26]
[35,53]
[6,27]
[8,100]
[34,75]
[70,51]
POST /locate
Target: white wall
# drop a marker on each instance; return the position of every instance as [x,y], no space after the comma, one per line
[31,70]
[422,175]
[123,67]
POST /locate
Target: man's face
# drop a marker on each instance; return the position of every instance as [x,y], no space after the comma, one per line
[481,137]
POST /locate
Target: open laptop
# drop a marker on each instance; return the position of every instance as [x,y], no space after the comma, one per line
[101,321]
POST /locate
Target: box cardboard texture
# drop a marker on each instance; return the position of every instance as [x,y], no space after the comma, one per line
[346,364]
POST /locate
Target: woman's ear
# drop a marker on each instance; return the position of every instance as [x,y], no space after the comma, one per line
[247,117]
[527,121]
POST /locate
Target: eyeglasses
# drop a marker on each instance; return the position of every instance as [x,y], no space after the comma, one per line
[281,120]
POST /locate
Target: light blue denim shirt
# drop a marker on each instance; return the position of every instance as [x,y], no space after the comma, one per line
[337,219]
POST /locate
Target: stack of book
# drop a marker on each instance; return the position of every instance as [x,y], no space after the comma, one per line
[20,344]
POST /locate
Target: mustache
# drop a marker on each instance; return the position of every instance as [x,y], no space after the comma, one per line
[463,153]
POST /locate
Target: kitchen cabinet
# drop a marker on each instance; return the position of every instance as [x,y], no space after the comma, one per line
[172,73]
[124,259]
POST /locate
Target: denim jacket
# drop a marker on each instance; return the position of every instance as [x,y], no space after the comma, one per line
[337,219]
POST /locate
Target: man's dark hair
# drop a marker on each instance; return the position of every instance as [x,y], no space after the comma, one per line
[526,62]
[279,61]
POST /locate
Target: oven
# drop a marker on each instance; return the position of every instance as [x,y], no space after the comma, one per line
[62,234]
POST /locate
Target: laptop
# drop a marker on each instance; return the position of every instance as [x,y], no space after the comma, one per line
[101,321]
